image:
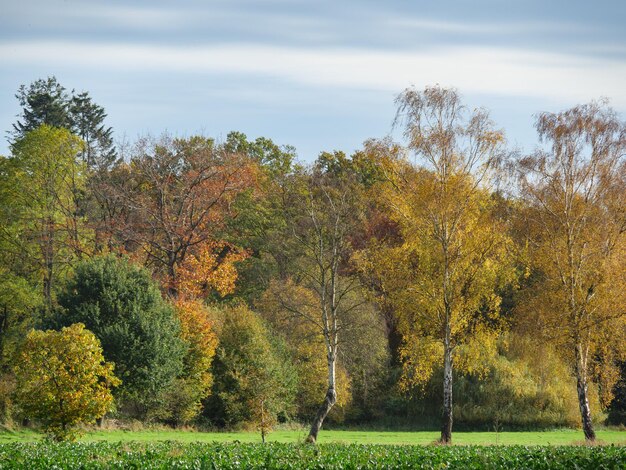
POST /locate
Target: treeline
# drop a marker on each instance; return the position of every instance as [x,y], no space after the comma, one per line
[228,284]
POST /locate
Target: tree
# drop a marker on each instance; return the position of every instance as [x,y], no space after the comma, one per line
[17,302]
[139,331]
[87,122]
[305,343]
[324,211]
[262,213]
[210,268]
[63,380]
[575,191]
[172,199]
[441,279]
[44,101]
[275,159]
[254,381]
[194,383]
[41,221]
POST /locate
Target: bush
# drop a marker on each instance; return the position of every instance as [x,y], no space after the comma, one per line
[7,407]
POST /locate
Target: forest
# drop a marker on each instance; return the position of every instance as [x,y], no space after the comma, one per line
[224,284]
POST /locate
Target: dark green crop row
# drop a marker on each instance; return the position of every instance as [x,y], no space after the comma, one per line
[166,455]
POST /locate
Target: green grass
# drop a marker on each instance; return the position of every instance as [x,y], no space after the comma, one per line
[561,437]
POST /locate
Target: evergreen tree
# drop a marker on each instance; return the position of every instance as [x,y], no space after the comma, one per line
[138,330]
[44,101]
[87,120]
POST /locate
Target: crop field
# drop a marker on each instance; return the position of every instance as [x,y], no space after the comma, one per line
[163,455]
[336,449]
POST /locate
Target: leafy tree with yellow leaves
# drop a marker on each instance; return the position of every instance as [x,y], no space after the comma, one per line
[441,279]
[575,191]
[63,380]
[194,383]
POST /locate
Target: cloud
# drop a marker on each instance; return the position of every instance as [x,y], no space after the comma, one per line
[488,28]
[486,70]
[53,14]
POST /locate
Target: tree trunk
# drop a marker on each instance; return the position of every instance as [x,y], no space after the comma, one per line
[172,288]
[583,399]
[48,252]
[329,401]
[446,426]
[4,326]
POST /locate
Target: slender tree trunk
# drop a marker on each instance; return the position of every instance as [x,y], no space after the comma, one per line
[49,264]
[446,421]
[329,401]
[583,399]
[4,326]
[446,426]
[263,423]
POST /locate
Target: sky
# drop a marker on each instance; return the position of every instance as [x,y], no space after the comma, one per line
[318,75]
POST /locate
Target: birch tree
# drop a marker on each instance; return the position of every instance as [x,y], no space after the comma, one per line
[442,277]
[576,220]
[324,215]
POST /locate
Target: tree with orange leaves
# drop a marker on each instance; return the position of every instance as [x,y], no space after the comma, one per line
[210,268]
[172,200]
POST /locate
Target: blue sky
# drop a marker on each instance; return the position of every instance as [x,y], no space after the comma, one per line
[318,75]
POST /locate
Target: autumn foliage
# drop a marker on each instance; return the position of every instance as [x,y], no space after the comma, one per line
[172,200]
[210,269]
[196,379]
[63,380]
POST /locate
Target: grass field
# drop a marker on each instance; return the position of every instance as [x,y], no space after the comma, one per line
[560,437]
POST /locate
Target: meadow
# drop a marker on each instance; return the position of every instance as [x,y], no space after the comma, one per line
[564,437]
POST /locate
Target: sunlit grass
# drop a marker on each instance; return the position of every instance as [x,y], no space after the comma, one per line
[560,437]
